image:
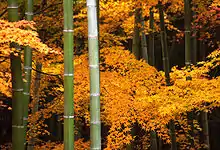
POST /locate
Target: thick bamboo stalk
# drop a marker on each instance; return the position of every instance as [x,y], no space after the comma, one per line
[17,105]
[151,39]
[95,123]
[166,67]
[187,19]
[144,53]
[136,36]
[17,86]
[68,76]
[151,61]
[204,115]
[188,62]
[205,127]
[27,69]
[194,44]
[153,140]
[166,63]
[36,98]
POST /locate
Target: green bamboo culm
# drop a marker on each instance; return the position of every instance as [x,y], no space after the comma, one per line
[188,62]
[27,69]
[194,43]
[144,53]
[166,67]
[151,61]
[95,123]
[68,76]
[151,38]
[187,24]
[166,64]
[205,129]
[204,115]
[36,98]
[17,85]
[153,140]
[136,36]
[17,105]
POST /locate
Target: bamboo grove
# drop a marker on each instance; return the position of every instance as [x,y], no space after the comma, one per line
[97,74]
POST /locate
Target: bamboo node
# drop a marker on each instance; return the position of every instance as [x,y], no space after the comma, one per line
[95,122]
[94,66]
[68,74]
[95,94]
[15,126]
[92,36]
[9,7]
[96,148]
[29,13]
[27,68]
[26,93]
[25,118]
[67,30]
[68,117]
[17,90]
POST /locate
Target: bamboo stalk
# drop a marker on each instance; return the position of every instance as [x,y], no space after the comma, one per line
[95,123]
[204,115]
[188,62]
[144,53]
[151,39]
[194,44]
[153,141]
[36,98]
[166,64]
[17,105]
[68,76]
[136,37]
[166,67]
[27,69]
[17,86]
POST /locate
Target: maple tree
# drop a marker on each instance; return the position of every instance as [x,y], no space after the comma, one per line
[133,94]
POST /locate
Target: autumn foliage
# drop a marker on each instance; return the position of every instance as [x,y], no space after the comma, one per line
[133,93]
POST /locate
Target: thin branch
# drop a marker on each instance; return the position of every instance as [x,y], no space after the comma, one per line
[55,75]
[3,12]
[40,11]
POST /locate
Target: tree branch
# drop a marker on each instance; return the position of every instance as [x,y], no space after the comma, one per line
[3,12]
[40,11]
[55,75]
